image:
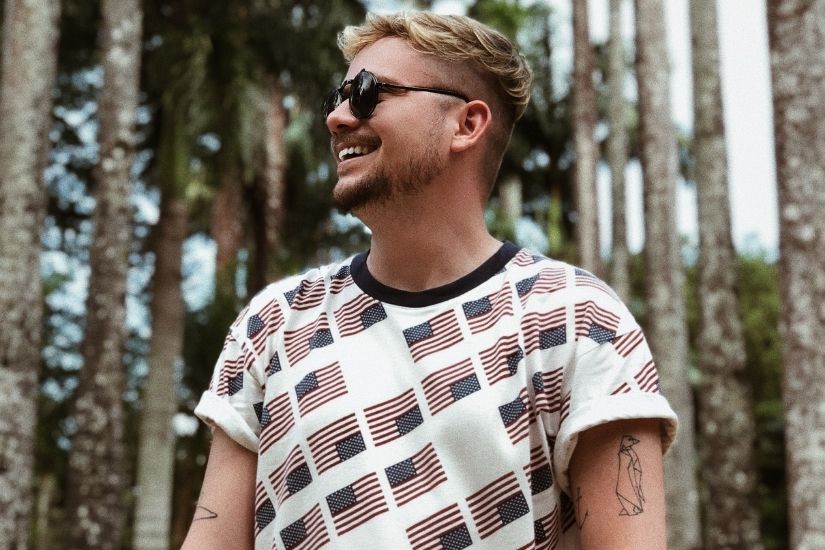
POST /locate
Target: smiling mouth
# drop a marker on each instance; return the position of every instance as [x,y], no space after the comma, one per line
[352,152]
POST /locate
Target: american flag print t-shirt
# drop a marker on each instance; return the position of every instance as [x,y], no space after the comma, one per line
[437,420]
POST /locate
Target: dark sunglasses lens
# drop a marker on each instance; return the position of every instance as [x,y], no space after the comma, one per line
[332,101]
[363,95]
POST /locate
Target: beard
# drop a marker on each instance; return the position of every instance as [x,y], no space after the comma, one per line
[384,183]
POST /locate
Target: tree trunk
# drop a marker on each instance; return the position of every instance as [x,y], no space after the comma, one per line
[156,454]
[97,476]
[726,422]
[29,64]
[584,141]
[666,327]
[268,208]
[156,451]
[797,45]
[617,152]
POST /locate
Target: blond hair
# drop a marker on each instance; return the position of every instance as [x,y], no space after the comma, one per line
[462,41]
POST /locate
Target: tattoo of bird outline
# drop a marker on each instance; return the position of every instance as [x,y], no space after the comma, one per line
[629,482]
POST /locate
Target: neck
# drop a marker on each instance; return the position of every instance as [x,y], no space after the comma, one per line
[419,247]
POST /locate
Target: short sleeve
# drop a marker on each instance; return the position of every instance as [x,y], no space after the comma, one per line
[234,392]
[612,377]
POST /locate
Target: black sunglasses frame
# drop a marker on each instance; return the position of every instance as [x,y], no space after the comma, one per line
[363,95]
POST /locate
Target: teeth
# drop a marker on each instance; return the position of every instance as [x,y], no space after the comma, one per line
[351,151]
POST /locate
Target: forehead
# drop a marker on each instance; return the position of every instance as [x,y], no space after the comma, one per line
[393,60]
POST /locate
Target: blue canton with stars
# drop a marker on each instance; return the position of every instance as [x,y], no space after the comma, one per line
[477,307]
[400,472]
[350,447]
[418,333]
[372,315]
[553,337]
[510,412]
[409,421]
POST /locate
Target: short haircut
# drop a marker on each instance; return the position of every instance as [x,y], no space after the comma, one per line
[464,42]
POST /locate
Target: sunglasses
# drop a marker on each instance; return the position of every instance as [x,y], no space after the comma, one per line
[362,93]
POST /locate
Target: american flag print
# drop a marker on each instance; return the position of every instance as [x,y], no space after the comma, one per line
[546,531]
[419,474]
[444,530]
[231,377]
[516,416]
[264,510]
[450,384]
[359,314]
[547,389]
[393,418]
[274,365]
[319,387]
[546,281]
[299,343]
[497,504]
[291,476]
[586,279]
[564,412]
[437,334]
[263,324]
[524,258]
[538,471]
[596,323]
[628,342]
[306,295]
[357,503]
[336,443]
[487,311]
[568,512]
[308,533]
[624,387]
[276,420]
[341,280]
[545,330]
[502,359]
[648,378]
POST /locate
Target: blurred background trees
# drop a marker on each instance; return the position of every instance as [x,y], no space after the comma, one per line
[137,221]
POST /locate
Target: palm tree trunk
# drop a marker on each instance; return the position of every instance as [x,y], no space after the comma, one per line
[726,421]
[97,476]
[797,46]
[666,327]
[617,152]
[29,64]
[584,140]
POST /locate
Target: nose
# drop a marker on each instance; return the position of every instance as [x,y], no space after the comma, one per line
[341,118]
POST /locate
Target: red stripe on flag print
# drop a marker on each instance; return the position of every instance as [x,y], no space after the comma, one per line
[627,342]
[568,512]
[298,343]
[546,530]
[359,314]
[497,504]
[341,280]
[538,471]
[502,359]
[291,476]
[336,443]
[544,330]
[588,314]
[306,295]
[416,475]
[565,408]
[356,503]
[546,281]
[624,388]
[439,333]
[447,523]
[319,387]
[230,379]
[648,378]
[587,279]
[517,416]
[263,324]
[280,421]
[308,533]
[547,387]
[485,312]
[264,510]
[386,419]
[524,258]
[450,384]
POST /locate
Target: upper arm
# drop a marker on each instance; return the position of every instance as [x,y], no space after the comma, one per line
[617,485]
[224,517]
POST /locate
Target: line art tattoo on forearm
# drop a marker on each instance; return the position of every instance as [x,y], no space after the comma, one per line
[202,512]
[629,482]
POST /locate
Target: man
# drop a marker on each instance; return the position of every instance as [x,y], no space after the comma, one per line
[443,390]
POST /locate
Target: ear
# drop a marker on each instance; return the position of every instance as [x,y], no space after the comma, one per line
[473,125]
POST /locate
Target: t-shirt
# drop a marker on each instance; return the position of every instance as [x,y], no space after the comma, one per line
[442,419]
